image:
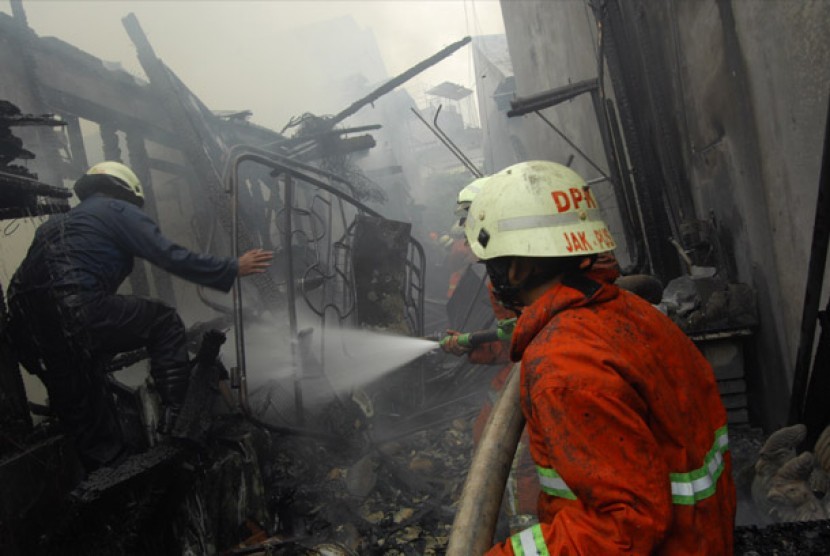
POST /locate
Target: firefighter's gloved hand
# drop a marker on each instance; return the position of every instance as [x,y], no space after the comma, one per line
[450,343]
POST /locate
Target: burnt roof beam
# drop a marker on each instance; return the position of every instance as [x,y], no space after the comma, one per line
[525,105]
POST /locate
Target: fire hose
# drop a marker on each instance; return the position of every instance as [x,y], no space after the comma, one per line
[478,509]
[501,333]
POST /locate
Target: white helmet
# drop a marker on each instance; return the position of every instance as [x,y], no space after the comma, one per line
[125,179]
[536,209]
[465,197]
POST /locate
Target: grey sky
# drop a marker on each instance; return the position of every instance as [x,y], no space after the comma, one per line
[230,53]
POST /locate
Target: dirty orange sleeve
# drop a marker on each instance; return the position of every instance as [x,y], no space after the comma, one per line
[620,497]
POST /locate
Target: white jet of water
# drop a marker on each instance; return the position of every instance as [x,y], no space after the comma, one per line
[353,358]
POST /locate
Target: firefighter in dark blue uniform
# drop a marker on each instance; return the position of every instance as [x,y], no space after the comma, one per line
[67,316]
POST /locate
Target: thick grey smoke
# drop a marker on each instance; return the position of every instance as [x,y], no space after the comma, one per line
[234,55]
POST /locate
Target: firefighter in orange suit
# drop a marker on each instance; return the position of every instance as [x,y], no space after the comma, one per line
[522,486]
[625,423]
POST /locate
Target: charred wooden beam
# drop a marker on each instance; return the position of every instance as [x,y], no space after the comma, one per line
[398,80]
[70,104]
[80,162]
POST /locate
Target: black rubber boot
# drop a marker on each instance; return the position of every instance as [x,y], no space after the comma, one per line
[171,384]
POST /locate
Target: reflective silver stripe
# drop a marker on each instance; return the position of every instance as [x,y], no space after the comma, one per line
[553,484]
[701,483]
[529,542]
[686,488]
[473,188]
[546,220]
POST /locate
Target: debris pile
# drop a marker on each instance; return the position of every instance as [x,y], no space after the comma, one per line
[360,496]
[706,303]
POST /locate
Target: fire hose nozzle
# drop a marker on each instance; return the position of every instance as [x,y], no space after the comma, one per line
[502,333]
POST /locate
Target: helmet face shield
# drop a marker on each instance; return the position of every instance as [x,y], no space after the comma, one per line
[536,209]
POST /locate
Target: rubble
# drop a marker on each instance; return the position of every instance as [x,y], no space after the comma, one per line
[369,497]
[706,303]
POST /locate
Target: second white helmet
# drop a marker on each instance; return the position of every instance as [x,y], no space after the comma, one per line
[536,209]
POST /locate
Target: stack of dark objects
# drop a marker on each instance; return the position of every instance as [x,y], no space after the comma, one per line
[21,194]
[707,303]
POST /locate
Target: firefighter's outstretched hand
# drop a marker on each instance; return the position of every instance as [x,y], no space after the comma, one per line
[450,343]
[255,261]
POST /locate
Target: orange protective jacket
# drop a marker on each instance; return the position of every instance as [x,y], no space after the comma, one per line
[626,427]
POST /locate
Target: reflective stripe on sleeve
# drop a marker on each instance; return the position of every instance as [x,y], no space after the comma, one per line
[688,488]
[553,484]
[529,542]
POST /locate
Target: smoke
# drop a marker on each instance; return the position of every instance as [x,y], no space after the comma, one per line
[253,64]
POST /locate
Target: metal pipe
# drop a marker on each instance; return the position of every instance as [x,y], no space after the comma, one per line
[469,163]
[547,99]
[573,145]
[478,509]
[288,239]
[472,170]
[631,215]
[239,333]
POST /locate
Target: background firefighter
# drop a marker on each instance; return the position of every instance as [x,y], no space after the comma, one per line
[626,426]
[68,318]
[522,487]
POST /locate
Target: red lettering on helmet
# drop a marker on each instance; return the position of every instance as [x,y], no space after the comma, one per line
[586,245]
[589,197]
[600,237]
[568,245]
[561,200]
[575,242]
[576,195]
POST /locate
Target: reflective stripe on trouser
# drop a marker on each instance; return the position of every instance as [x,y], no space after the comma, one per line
[529,542]
[686,488]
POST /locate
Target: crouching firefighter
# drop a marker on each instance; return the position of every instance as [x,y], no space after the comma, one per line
[66,317]
[625,424]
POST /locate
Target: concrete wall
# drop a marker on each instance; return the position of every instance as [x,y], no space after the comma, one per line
[743,98]
[502,137]
[551,45]
[750,95]
[786,48]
